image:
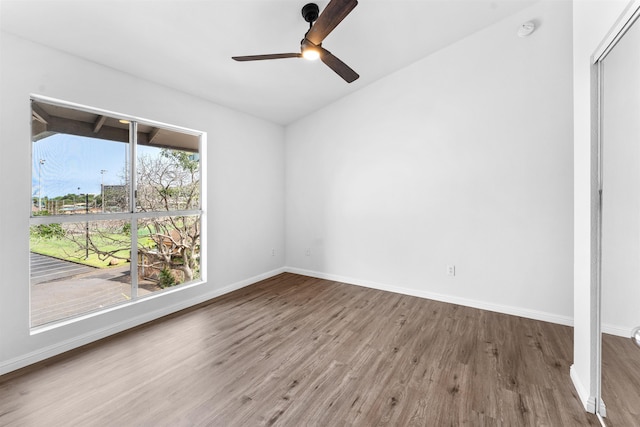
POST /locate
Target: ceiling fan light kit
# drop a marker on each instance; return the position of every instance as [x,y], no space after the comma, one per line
[309,50]
[320,25]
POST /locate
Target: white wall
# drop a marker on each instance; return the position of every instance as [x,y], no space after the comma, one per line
[462,158]
[591,22]
[244,189]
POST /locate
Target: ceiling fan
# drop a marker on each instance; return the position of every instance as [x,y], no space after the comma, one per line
[319,27]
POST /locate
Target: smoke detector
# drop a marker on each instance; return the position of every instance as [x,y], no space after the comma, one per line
[526,29]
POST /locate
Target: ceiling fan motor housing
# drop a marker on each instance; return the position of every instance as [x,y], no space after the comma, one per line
[310,12]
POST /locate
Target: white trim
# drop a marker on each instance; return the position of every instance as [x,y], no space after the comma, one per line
[617,330]
[204,237]
[131,180]
[597,343]
[589,402]
[483,305]
[624,22]
[70,344]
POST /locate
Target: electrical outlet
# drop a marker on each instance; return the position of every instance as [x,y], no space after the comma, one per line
[308,252]
[451,270]
[273,252]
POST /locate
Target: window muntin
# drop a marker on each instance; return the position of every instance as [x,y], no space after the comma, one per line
[82,212]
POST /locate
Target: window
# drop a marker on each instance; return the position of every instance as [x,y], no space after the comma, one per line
[106,230]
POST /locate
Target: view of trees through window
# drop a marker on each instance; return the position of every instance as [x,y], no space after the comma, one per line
[106,230]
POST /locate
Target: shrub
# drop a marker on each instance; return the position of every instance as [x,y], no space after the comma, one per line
[48,231]
[165,278]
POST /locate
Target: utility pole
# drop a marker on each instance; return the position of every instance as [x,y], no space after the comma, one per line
[86,227]
[86,211]
[40,163]
[102,172]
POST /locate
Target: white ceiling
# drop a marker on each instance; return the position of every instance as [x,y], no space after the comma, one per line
[188,44]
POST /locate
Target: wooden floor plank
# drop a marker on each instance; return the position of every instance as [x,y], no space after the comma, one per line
[294,350]
[621,381]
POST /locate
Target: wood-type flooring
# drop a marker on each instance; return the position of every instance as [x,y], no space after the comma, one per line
[299,351]
[621,381]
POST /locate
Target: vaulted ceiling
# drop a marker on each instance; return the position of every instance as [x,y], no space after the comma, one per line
[188,44]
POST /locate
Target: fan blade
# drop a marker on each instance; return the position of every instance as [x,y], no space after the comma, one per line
[270,56]
[342,69]
[329,19]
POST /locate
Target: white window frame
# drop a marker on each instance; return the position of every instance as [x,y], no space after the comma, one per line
[133,215]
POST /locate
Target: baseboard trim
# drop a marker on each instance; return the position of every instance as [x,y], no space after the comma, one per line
[616,330]
[483,305]
[588,401]
[95,335]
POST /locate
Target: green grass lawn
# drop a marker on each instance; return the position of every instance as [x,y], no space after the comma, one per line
[67,250]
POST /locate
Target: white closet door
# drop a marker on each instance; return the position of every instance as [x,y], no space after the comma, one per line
[621,185]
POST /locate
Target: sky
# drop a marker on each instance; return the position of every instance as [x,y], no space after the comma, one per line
[70,161]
